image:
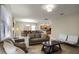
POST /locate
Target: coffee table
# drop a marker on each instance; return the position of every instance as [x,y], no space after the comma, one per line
[51,48]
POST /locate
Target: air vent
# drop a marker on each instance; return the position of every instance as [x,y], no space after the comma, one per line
[46,19]
[61,13]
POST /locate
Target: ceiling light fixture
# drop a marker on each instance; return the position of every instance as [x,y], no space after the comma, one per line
[27,20]
[48,8]
[27,24]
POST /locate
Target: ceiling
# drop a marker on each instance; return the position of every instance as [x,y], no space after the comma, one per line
[35,11]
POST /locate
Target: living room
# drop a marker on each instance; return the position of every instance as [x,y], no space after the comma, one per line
[32,26]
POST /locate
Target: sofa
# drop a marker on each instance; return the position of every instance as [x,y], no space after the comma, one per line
[8,47]
[37,38]
[68,39]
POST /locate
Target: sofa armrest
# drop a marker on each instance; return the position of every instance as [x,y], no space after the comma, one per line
[19,51]
[72,39]
[22,46]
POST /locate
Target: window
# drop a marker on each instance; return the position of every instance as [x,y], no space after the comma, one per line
[33,27]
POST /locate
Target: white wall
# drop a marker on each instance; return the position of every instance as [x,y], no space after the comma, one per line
[66,24]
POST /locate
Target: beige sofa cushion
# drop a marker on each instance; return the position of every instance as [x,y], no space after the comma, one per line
[11,49]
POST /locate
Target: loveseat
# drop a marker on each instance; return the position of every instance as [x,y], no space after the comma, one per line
[36,38]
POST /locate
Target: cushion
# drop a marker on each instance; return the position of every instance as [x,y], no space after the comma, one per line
[62,37]
[37,35]
[9,47]
[44,36]
[72,39]
[32,36]
[2,51]
[35,39]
